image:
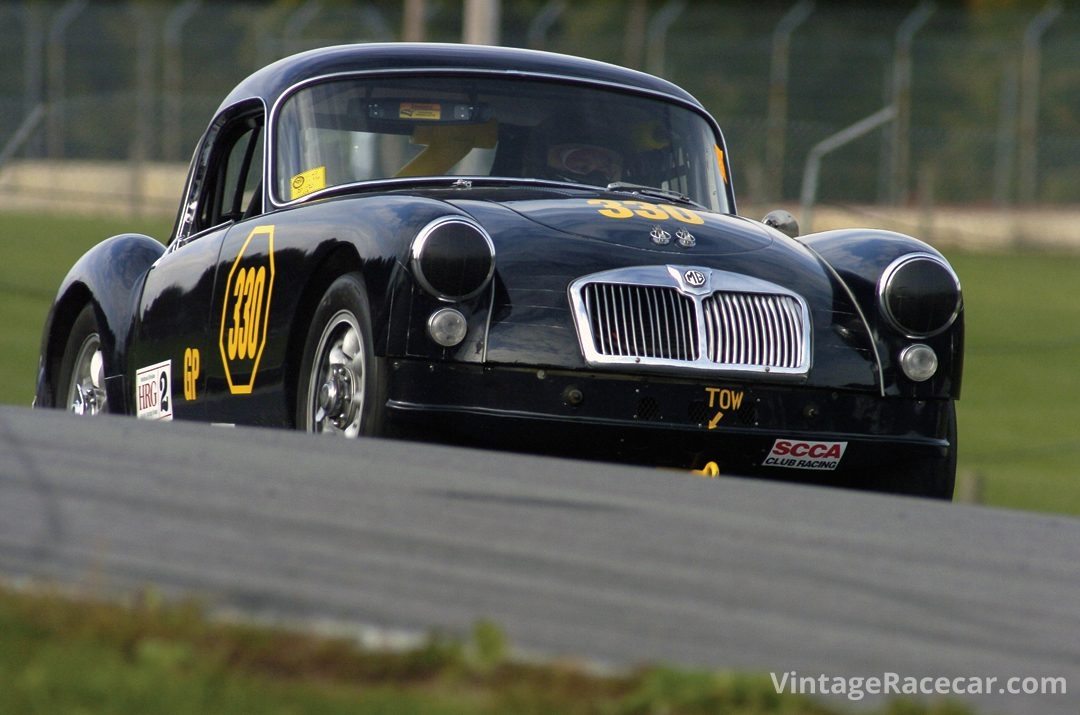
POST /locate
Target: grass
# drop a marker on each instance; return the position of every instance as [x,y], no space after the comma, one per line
[60,655]
[36,253]
[1018,415]
[1019,412]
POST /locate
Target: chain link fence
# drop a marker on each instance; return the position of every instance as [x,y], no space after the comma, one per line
[987,111]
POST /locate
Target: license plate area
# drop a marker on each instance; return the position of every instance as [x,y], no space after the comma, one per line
[723,406]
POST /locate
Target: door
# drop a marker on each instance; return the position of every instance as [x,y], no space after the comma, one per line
[175,342]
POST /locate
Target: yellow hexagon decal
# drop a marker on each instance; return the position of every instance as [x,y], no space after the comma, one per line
[245,311]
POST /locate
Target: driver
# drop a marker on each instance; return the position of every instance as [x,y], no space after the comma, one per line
[571,149]
[589,163]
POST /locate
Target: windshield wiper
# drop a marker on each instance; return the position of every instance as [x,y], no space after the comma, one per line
[651,191]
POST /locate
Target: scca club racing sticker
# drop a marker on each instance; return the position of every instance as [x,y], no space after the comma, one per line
[795,454]
[153,392]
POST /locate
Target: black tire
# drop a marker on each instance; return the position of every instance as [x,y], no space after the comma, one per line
[934,478]
[341,385]
[80,383]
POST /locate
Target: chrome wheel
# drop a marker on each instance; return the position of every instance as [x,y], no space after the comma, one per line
[335,400]
[86,391]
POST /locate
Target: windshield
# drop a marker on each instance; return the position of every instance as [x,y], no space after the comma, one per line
[348,130]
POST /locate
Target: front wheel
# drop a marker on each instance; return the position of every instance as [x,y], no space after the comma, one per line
[342,384]
[80,388]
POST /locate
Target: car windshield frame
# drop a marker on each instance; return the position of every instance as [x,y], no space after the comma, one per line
[498,109]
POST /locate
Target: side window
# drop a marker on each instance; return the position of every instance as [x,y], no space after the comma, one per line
[232,189]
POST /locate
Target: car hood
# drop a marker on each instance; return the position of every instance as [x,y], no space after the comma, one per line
[544,244]
[648,226]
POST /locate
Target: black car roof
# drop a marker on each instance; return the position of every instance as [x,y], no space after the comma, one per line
[270,82]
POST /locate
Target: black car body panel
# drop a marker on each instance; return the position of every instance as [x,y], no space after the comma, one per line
[616,320]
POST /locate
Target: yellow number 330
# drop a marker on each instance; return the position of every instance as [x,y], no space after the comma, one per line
[654,212]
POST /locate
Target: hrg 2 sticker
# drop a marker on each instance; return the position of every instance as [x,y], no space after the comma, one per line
[796,454]
[153,392]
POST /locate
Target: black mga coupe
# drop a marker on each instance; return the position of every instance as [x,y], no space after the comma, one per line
[512,249]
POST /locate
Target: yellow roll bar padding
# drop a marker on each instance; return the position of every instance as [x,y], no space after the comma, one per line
[649,135]
[446,145]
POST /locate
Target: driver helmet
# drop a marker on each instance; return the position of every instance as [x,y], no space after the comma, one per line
[574,149]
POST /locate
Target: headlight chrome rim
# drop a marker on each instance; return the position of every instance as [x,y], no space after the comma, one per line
[417,251]
[890,273]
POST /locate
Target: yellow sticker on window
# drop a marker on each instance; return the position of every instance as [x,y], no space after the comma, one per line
[417,110]
[306,182]
[720,161]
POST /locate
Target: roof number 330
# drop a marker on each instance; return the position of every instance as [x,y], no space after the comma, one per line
[643,209]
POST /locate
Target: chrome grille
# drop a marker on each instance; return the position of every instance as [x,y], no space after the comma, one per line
[753,329]
[641,321]
[690,317]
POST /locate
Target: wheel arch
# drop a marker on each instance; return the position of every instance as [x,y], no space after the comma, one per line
[54,337]
[109,276]
[338,261]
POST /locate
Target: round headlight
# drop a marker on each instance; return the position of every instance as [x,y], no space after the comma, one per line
[919,362]
[453,258]
[919,295]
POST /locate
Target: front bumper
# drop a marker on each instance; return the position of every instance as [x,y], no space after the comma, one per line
[660,421]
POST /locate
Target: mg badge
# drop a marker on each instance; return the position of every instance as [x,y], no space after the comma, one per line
[694,278]
[659,236]
[685,238]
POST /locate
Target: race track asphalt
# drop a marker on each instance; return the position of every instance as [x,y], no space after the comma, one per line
[613,565]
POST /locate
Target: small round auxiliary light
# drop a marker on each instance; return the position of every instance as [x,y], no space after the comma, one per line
[447,327]
[919,362]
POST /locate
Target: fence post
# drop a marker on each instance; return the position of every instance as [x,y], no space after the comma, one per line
[146,31]
[297,23]
[813,160]
[637,14]
[267,43]
[1029,99]
[776,117]
[1005,149]
[376,28]
[413,21]
[173,79]
[56,66]
[481,22]
[536,37]
[656,35]
[33,60]
[900,156]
